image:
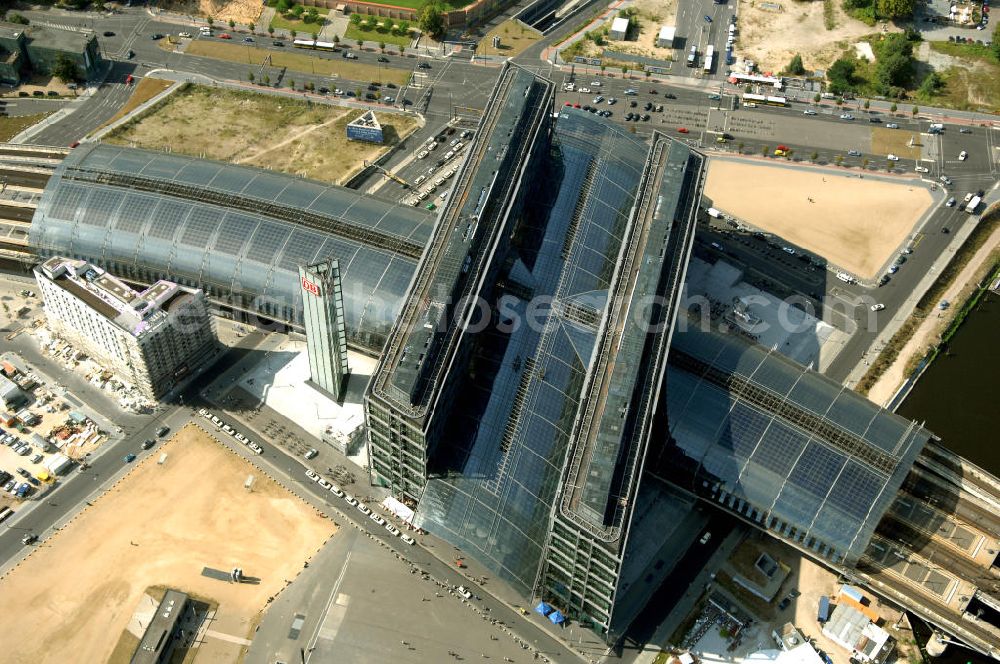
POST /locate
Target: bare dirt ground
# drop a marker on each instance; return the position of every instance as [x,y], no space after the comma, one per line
[652,14]
[771,38]
[854,224]
[241,11]
[263,130]
[930,329]
[70,600]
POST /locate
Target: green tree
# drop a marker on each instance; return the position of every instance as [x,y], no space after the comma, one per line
[839,160]
[293,34]
[868,104]
[864,164]
[210,21]
[266,80]
[739,147]
[361,43]
[252,27]
[232,24]
[65,69]
[381,46]
[765,150]
[250,76]
[930,85]
[291,83]
[432,20]
[892,109]
[915,110]
[996,42]
[18,18]
[355,19]
[841,75]
[814,156]
[336,39]
[270,30]
[795,67]
[816,98]
[894,8]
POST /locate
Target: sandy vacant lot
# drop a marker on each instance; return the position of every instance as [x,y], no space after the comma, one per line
[241,11]
[70,600]
[256,129]
[854,224]
[801,29]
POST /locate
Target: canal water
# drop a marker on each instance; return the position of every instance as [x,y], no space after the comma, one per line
[957,395]
[957,399]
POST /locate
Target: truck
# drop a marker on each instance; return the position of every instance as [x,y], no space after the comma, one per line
[713,213]
[824,609]
[973,204]
[692,57]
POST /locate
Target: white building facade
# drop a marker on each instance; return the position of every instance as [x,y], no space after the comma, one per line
[152,339]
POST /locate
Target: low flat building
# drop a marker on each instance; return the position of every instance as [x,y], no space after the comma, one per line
[11,396]
[366,128]
[853,630]
[665,38]
[25,50]
[153,339]
[158,642]
[619,29]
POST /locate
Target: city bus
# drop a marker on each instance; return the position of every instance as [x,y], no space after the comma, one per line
[315,45]
[709,54]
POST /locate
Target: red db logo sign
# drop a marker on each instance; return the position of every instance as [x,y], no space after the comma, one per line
[310,286]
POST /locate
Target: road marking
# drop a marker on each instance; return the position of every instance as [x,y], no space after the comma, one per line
[321,625]
[227,637]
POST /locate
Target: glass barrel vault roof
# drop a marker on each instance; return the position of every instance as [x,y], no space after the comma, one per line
[237,254]
[791,443]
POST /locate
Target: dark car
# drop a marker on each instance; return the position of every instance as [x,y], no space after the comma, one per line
[633,103]
[30,538]
[324,90]
[391,86]
[130,54]
[424,65]
[156,36]
[162,431]
[670,95]
[149,442]
[645,117]
[372,87]
[382,58]
[371,96]
[128,458]
[783,604]
[108,33]
[277,43]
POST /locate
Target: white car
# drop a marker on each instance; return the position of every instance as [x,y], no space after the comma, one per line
[962,155]
[892,125]
[808,111]
[922,169]
[255,448]
[185,35]
[463,591]
[363,509]
[788,250]
[951,202]
[377,519]
[878,307]
[351,500]
[846,116]
[892,157]
[596,84]
[335,490]
[422,154]
[323,483]
[392,529]
[584,90]
[312,474]
[203,412]
[408,539]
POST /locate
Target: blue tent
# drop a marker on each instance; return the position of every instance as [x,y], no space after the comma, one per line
[543,609]
[557,618]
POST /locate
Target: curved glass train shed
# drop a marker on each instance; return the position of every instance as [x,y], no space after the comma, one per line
[240,233]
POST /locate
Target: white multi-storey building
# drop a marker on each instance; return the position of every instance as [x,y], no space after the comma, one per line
[152,339]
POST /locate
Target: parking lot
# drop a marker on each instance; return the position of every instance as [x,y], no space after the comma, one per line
[426,174]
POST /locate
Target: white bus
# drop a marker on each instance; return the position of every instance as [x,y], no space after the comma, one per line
[709,54]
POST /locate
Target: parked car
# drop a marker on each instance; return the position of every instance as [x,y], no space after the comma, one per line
[878,307]
[149,442]
[162,431]
[424,65]
[108,33]
[407,539]
[128,458]
[225,35]
[382,58]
